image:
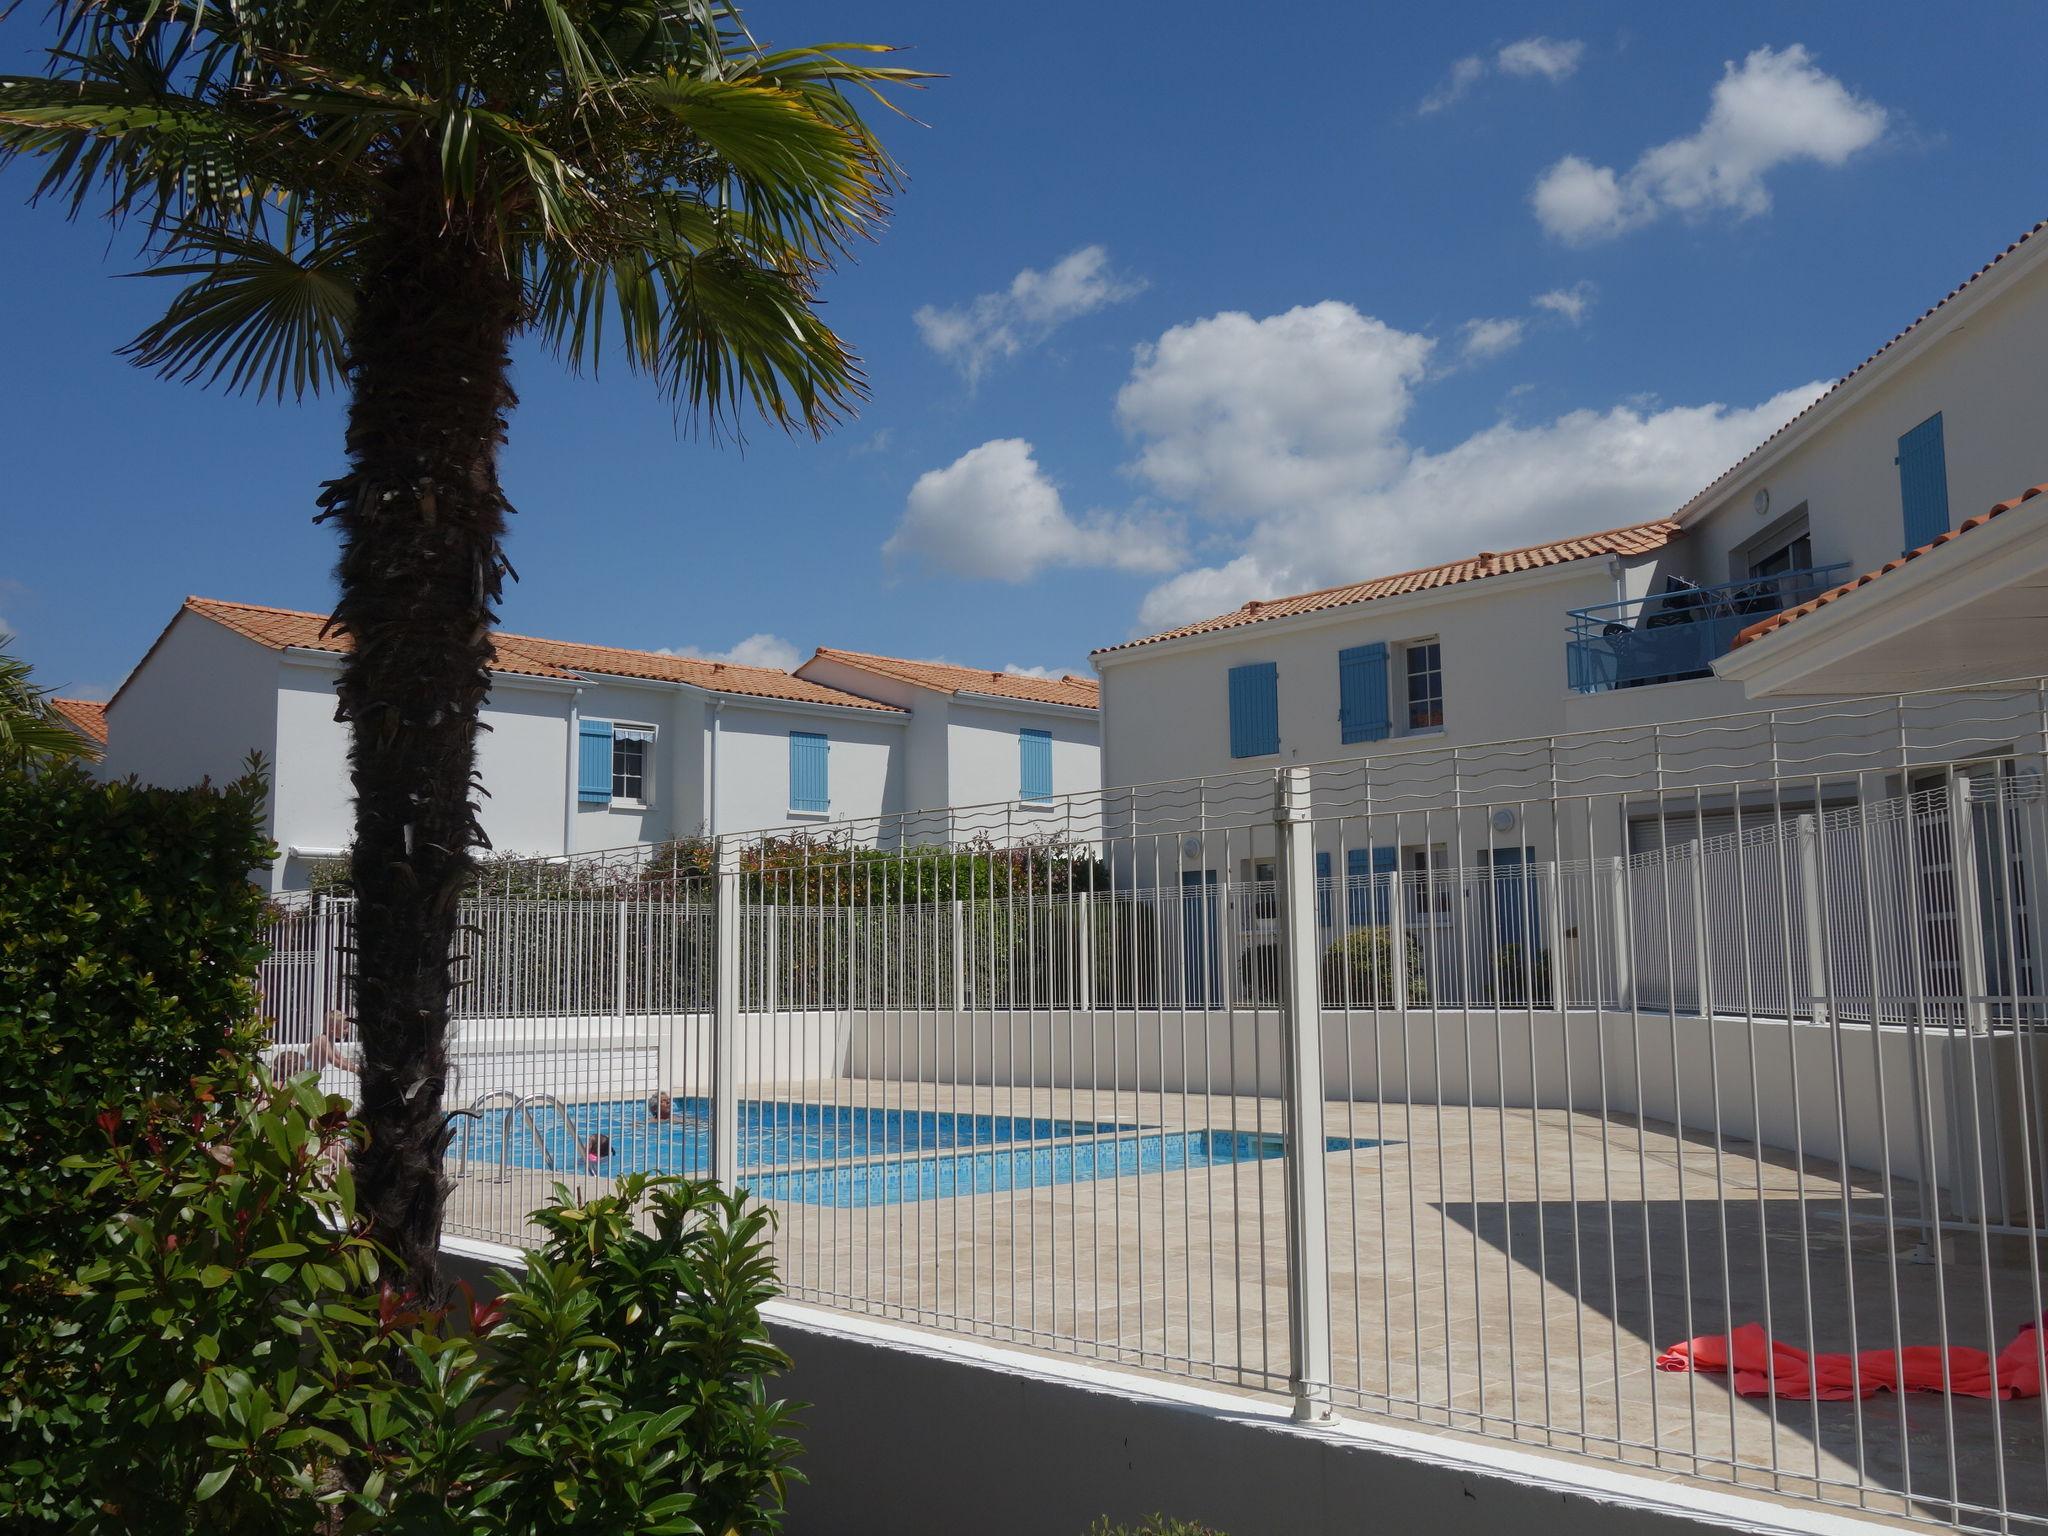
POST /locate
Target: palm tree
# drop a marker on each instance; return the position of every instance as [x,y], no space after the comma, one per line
[31,732]
[389,194]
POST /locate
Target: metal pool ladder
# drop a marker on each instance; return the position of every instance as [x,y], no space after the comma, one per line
[522,1105]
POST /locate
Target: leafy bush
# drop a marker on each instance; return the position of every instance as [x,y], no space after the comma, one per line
[1521,975]
[1359,971]
[129,934]
[229,1362]
[1152,1525]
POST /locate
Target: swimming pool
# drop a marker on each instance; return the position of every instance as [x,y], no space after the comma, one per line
[854,1155]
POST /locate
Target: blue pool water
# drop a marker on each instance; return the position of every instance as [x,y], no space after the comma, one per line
[849,1155]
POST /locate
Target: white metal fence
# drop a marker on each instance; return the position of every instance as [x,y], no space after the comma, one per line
[1451,1084]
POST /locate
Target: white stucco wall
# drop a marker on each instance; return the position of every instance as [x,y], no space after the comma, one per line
[983,755]
[1503,644]
[751,785]
[195,708]
[1976,363]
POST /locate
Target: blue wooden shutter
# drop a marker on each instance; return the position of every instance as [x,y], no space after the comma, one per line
[1923,482]
[1362,693]
[1255,709]
[594,762]
[1034,764]
[809,775]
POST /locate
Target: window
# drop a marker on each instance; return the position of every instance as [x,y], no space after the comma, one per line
[1362,693]
[810,791]
[1034,765]
[1923,482]
[1255,709]
[1425,685]
[593,762]
[632,762]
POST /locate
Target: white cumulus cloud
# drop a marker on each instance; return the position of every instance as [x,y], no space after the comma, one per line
[1568,304]
[758,650]
[1553,59]
[1238,415]
[1774,108]
[995,326]
[1283,437]
[993,514]
[1480,340]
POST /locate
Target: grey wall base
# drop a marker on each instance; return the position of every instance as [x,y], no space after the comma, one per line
[908,1433]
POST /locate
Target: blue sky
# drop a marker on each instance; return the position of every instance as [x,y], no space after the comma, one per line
[1173,313]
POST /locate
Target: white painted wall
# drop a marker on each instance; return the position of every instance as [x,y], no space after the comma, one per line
[1165,709]
[194,709]
[752,771]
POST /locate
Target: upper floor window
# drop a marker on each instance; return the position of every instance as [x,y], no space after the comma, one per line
[1255,709]
[632,762]
[810,785]
[1425,666]
[1034,765]
[1923,482]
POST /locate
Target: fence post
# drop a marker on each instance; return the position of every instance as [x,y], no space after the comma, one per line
[1972,971]
[619,979]
[323,943]
[1807,831]
[1085,988]
[1301,1055]
[725,1017]
[1702,972]
[959,958]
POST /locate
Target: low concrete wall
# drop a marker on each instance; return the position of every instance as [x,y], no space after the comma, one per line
[908,1432]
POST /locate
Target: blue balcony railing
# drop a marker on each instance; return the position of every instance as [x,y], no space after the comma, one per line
[1676,633]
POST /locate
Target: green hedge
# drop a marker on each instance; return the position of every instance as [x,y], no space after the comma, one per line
[129,939]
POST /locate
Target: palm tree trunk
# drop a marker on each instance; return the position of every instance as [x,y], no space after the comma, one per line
[422,519]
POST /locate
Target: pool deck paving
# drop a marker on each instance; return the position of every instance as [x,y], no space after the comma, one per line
[1505,1272]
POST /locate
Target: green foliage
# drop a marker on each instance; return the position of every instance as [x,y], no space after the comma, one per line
[1152,1525]
[129,932]
[1521,975]
[30,730]
[1359,970]
[228,1361]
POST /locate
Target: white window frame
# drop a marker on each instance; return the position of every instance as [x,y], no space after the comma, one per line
[645,736]
[1406,704]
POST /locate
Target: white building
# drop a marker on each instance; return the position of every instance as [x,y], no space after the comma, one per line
[1621,628]
[593,747]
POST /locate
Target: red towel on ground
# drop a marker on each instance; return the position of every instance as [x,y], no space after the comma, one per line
[1764,1367]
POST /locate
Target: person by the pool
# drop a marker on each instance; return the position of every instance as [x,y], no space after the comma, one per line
[597,1149]
[660,1107]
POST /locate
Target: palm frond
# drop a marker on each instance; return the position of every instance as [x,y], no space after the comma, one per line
[255,315]
[30,730]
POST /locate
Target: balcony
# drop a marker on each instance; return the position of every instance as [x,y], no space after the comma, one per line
[1676,633]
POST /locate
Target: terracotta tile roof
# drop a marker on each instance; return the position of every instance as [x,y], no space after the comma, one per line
[1836,388]
[1080,692]
[1637,539]
[528,656]
[84,716]
[282,628]
[1778,621]
[717,676]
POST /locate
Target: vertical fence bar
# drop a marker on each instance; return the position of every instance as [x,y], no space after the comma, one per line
[1308,1265]
[725,1015]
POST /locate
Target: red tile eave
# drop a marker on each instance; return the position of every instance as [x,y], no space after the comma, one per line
[1635,539]
[86,716]
[948,677]
[1778,621]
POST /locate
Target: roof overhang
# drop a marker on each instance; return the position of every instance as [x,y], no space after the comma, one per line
[1972,610]
[1960,309]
